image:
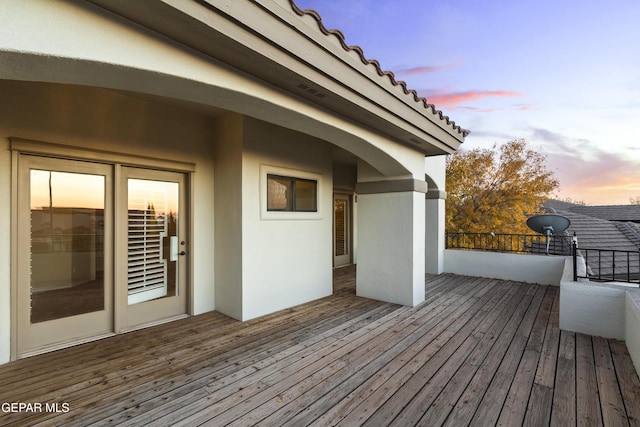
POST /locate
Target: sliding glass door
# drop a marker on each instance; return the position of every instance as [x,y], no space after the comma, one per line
[153,246]
[65,262]
[101,249]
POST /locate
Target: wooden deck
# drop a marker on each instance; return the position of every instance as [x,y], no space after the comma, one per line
[477,352]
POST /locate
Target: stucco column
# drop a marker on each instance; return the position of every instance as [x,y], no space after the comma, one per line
[391,245]
[436,176]
[435,231]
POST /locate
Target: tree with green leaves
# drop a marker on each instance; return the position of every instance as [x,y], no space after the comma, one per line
[496,190]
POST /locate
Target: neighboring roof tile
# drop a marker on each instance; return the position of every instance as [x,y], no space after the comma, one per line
[631,230]
[606,237]
[596,233]
[559,205]
[611,212]
[382,73]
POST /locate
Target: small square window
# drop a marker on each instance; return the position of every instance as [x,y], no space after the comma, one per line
[291,194]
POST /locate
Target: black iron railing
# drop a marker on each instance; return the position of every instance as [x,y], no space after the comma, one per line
[518,243]
[608,265]
[601,264]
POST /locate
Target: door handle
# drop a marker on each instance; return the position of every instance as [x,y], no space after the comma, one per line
[173,248]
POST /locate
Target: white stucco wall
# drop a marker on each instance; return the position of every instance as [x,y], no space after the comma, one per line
[542,269]
[227,214]
[436,169]
[593,309]
[609,310]
[632,327]
[391,247]
[287,259]
[434,235]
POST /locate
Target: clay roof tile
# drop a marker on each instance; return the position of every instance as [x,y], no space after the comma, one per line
[382,73]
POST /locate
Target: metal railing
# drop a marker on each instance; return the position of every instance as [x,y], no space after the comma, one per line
[607,265]
[518,243]
[601,264]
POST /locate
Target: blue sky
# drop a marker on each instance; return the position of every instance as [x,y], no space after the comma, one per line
[564,75]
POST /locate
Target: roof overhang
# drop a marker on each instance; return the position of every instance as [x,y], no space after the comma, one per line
[287,48]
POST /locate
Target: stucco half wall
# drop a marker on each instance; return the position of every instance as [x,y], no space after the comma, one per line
[542,269]
[610,310]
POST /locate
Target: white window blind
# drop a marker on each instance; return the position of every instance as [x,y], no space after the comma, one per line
[147,265]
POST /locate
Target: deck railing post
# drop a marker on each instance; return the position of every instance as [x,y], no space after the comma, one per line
[574,252]
[613,264]
[599,265]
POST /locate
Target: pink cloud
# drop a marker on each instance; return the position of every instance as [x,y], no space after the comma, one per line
[457,98]
[588,172]
[426,69]
[527,107]
[488,110]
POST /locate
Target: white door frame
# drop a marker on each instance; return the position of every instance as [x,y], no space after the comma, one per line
[80,160]
[32,337]
[136,314]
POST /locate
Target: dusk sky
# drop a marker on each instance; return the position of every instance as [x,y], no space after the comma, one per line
[564,75]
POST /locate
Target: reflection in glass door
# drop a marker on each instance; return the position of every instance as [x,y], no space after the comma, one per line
[153,241]
[153,247]
[64,281]
[67,244]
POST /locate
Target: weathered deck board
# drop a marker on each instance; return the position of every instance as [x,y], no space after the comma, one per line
[371,336]
[613,410]
[476,352]
[489,332]
[515,405]
[629,382]
[563,411]
[431,333]
[407,401]
[587,396]
[491,405]
[385,360]
[469,402]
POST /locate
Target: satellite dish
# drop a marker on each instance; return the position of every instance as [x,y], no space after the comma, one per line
[548,225]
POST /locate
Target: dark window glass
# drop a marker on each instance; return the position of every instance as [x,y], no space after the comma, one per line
[291,194]
[305,191]
[279,193]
